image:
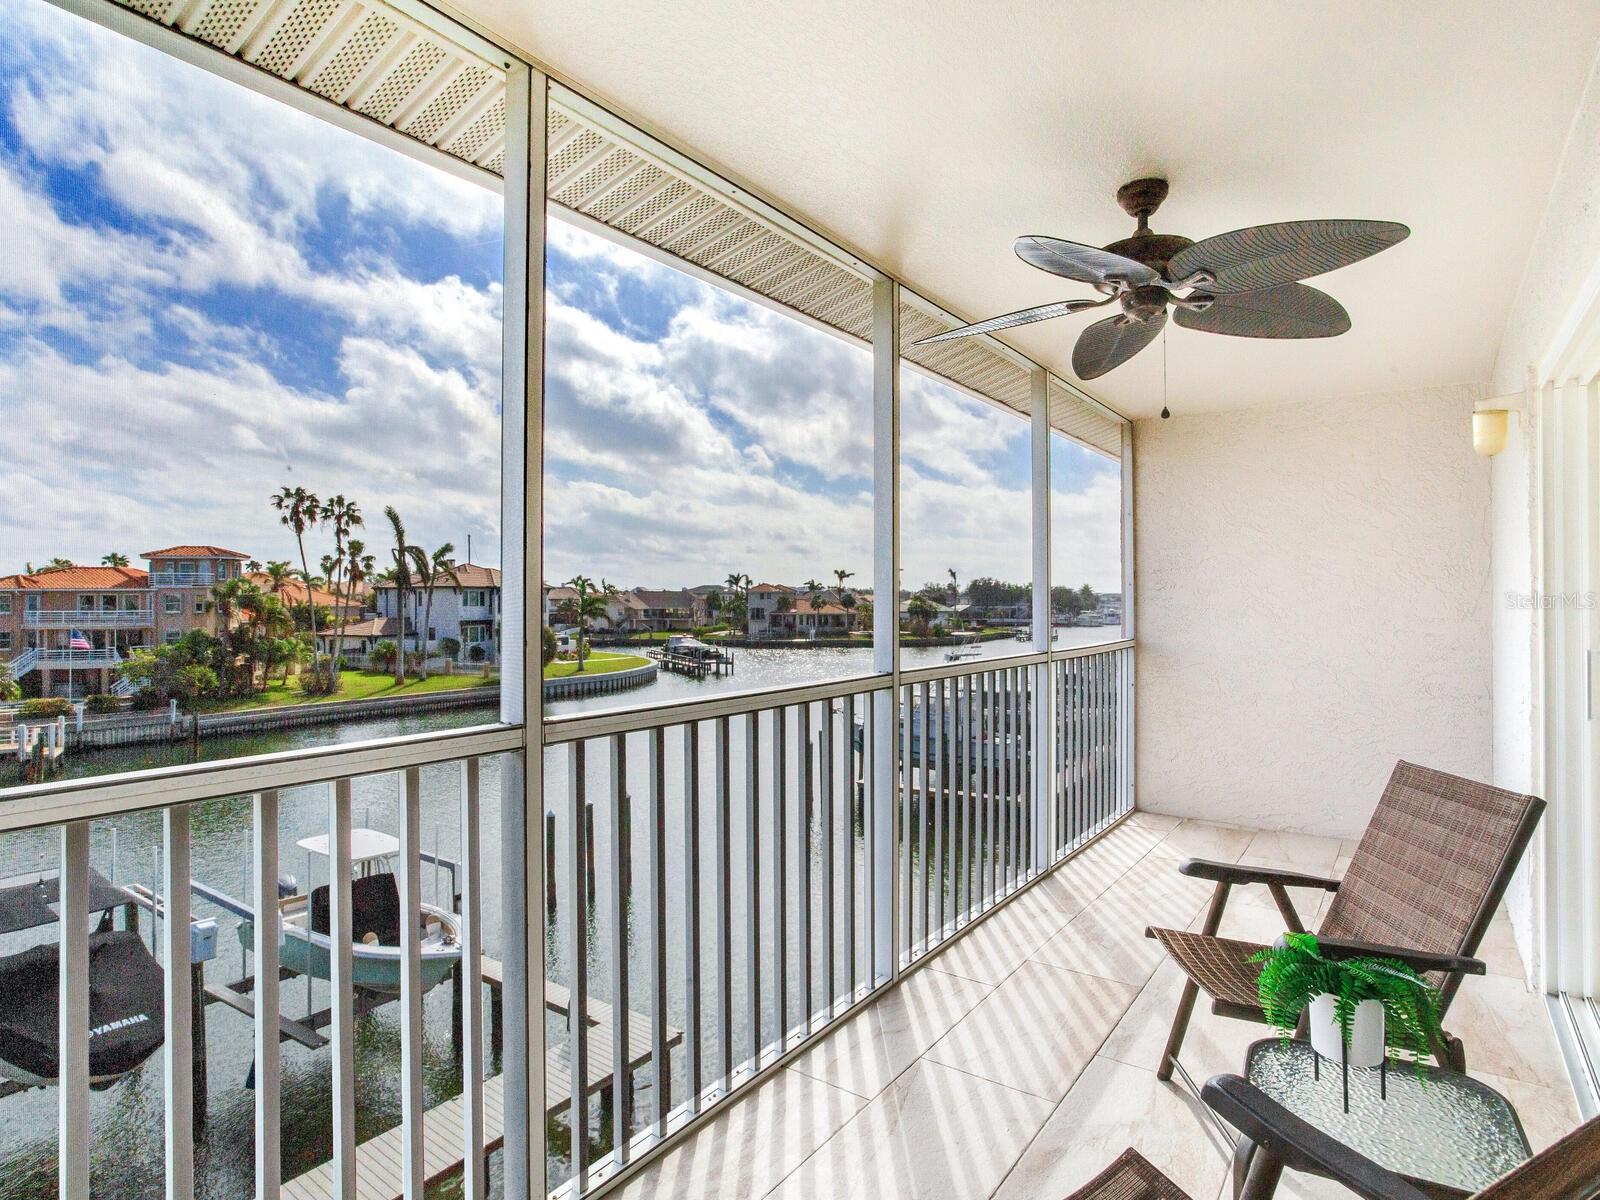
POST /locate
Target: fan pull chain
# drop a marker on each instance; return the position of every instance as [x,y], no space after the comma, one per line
[1165,411]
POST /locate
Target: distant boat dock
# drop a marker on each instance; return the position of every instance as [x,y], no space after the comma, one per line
[683,655]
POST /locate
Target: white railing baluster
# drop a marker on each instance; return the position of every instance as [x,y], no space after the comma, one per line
[803,859]
[578,963]
[660,1060]
[412,1170]
[752,875]
[825,820]
[927,756]
[178,999]
[621,1002]
[72,1137]
[722,820]
[264,902]
[341,984]
[474,1172]
[905,932]
[848,816]
[780,874]
[693,1068]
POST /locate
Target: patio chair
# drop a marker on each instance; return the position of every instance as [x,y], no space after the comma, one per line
[1422,887]
[1568,1170]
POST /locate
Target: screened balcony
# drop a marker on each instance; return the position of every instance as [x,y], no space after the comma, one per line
[869,926]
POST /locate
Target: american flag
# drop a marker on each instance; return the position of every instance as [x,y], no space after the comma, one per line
[78,642]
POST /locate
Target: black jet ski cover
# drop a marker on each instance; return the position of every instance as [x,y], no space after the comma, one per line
[125,1010]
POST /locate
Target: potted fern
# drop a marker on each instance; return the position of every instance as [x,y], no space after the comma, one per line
[1361,1009]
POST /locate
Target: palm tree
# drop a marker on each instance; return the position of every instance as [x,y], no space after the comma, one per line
[299,510]
[358,567]
[432,569]
[955,588]
[59,564]
[589,606]
[841,575]
[402,585]
[344,515]
[253,566]
[278,574]
[114,559]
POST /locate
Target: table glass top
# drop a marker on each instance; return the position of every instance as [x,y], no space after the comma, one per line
[1452,1130]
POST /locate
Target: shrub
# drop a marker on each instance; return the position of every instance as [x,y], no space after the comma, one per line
[383,655]
[49,707]
[103,702]
[317,679]
[451,647]
[476,654]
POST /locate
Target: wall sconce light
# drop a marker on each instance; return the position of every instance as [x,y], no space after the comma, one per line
[1489,427]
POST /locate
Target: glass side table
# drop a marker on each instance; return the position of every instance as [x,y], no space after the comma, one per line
[1455,1131]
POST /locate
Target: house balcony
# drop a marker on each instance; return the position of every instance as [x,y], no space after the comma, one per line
[200,578]
[134,618]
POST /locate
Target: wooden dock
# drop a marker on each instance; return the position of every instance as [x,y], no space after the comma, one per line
[378,1159]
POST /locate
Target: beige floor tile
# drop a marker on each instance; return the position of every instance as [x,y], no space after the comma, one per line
[1202,839]
[993,950]
[1547,1113]
[1296,851]
[1111,1107]
[1212,1046]
[866,1053]
[750,1148]
[933,1134]
[1506,1030]
[1037,1030]
[1107,938]
[1499,949]
[1160,822]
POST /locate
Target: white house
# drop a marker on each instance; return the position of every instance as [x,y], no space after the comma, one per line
[468,612]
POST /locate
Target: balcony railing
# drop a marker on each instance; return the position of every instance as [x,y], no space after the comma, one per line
[51,618]
[57,658]
[725,879]
[203,578]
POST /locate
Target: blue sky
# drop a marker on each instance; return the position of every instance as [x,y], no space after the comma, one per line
[209,295]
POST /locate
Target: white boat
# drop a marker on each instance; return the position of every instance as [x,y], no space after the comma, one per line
[303,919]
[968,645]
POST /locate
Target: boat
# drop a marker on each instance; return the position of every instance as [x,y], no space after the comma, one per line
[125,988]
[968,645]
[305,948]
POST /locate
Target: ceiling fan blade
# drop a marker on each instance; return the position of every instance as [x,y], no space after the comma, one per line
[1290,310]
[1025,316]
[1108,344]
[1086,264]
[1265,256]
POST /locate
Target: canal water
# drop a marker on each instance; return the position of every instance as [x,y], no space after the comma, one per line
[126,1117]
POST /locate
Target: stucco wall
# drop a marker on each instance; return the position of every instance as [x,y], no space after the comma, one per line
[1313,604]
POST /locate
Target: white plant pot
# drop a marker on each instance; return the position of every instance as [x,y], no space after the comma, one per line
[1366,1032]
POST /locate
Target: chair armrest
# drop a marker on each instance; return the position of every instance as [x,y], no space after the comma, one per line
[1417,960]
[1298,1144]
[1221,872]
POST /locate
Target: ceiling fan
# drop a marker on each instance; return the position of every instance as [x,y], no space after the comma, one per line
[1244,283]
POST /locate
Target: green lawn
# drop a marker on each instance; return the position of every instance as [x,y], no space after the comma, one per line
[596,662]
[353,685]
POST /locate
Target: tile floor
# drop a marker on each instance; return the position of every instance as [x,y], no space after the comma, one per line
[1019,1062]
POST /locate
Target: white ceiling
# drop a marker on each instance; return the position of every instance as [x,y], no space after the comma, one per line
[928,136]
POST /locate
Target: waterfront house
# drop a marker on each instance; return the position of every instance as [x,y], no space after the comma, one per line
[468,611]
[354,644]
[884,934]
[769,611]
[670,610]
[115,610]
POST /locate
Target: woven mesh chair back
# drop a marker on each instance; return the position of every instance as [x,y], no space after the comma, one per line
[1433,863]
